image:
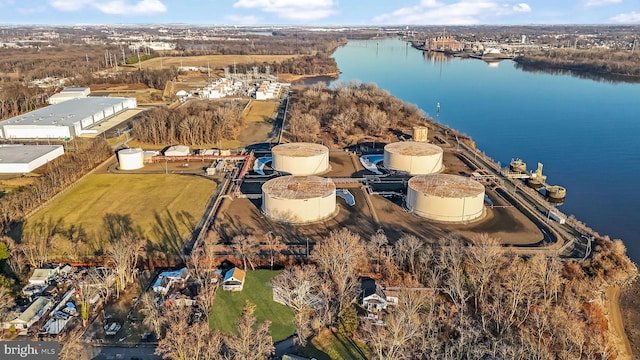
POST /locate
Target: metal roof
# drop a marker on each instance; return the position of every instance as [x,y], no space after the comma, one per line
[445,185]
[413,148]
[299,187]
[65,113]
[301,149]
[22,154]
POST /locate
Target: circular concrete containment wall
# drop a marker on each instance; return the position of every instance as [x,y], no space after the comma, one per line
[130,159]
[299,199]
[300,158]
[415,158]
[446,198]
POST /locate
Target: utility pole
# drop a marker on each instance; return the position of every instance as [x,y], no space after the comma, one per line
[139,64]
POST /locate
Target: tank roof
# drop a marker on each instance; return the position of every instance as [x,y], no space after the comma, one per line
[445,185]
[130,151]
[299,187]
[301,149]
[413,148]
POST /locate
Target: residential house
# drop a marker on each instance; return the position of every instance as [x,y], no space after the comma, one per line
[30,316]
[372,296]
[167,279]
[234,280]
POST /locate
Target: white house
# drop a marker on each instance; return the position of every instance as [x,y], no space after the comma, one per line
[234,280]
[41,276]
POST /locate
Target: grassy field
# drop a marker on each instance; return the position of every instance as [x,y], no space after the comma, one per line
[328,346]
[261,111]
[227,306]
[142,196]
[213,61]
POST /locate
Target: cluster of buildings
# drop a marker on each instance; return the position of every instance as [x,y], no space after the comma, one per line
[57,293]
[220,88]
[268,90]
[72,113]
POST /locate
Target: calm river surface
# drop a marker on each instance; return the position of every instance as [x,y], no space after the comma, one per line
[585,132]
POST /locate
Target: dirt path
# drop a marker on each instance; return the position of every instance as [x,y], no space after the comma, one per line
[615,321]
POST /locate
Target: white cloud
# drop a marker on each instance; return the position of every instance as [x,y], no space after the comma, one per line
[521,8]
[4,3]
[627,18]
[601,2]
[114,7]
[306,10]
[463,12]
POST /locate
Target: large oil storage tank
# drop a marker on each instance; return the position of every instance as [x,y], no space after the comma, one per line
[415,158]
[300,158]
[446,198]
[130,159]
[299,199]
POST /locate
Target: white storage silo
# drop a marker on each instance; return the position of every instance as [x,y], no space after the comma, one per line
[299,199]
[446,198]
[415,158]
[130,159]
[300,159]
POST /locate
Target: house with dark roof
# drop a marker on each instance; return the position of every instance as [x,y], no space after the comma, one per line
[234,280]
[372,296]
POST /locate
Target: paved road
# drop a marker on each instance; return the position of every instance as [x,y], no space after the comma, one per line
[142,352]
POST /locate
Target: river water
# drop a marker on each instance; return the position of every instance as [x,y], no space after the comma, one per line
[585,132]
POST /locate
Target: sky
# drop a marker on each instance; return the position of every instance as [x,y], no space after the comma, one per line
[320,12]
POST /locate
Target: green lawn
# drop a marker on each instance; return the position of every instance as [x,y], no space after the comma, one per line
[227,306]
[146,198]
[329,346]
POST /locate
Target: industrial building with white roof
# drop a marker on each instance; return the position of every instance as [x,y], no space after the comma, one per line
[26,158]
[67,119]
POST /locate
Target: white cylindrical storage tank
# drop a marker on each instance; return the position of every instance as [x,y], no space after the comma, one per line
[299,199]
[420,133]
[415,158]
[446,198]
[300,159]
[130,159]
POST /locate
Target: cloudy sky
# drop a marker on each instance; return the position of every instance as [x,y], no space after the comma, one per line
[321,12]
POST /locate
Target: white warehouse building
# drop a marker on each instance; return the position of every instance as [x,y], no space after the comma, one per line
[68,94]
[22,159]
[67,119]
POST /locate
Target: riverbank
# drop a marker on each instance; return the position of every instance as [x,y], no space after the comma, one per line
[627,70]
[629,304]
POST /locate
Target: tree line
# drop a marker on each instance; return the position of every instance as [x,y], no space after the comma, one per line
[458,299]
[598,61]
[319,63]
[197,123]
[348,113]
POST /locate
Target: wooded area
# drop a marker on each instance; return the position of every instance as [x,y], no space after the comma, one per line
[347,114]
[598,61]
[197,123]
[459,300]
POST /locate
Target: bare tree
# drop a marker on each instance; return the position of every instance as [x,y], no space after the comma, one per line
[152,316]
[124,254]
[246,248]
[339,258]
[299,288]
[274,244]
[250,343]
[186,339]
